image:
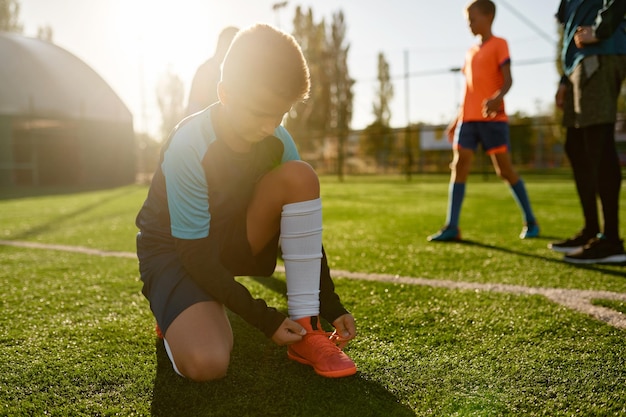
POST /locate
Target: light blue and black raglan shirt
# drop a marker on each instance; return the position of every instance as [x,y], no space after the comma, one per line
[606,17]
[199,184]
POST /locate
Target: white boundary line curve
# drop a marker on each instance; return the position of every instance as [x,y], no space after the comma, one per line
[578,300]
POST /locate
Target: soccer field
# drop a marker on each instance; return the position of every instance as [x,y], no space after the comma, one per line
[491,326]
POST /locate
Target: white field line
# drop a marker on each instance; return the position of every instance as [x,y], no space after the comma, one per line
[579,300]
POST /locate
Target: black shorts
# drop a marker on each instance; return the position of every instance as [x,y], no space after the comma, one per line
[171,290]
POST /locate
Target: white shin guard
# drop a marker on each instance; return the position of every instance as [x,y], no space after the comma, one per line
[301,244]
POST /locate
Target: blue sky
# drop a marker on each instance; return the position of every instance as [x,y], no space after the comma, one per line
[132,43]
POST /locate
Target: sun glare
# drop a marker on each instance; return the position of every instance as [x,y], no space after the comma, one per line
[157,37]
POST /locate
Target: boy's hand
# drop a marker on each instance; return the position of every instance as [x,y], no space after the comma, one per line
[289,332]
[491,107]
[345,329]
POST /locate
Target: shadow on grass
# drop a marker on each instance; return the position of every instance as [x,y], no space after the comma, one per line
[261,381]
[605,269]
[58,221]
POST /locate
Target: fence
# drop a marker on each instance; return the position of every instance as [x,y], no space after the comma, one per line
[537,145]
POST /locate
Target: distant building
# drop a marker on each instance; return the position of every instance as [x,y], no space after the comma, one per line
[60,122]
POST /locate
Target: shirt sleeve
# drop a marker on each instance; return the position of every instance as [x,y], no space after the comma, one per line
[503,53]
[290,152]
[331,307]
[187,191]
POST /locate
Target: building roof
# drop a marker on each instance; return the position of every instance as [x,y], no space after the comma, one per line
[40,79]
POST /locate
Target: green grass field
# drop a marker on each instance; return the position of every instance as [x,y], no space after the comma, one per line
[77,337]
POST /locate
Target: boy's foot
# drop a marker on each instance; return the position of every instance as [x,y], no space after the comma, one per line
[447,234]
[598,250]
[571,245]
[529,231]
[317,350]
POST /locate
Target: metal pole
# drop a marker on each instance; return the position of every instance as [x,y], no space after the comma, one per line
[407,132]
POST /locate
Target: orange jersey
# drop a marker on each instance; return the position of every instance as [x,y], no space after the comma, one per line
[483,78]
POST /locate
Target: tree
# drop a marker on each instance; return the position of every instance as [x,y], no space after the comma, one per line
[329,107]
[384,93]
[378,142]
[170,98]
[341,84]
[309,121]
[378,136]
[9,16]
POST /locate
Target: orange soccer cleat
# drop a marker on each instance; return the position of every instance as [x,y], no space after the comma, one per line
[158,331]
[318,350]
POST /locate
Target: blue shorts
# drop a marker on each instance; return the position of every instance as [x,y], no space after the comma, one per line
[493,136]
[168,286]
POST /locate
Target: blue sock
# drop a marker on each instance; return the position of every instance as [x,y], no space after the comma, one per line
[521,197]
[456,194]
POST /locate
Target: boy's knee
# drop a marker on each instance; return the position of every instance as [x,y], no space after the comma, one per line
[509,176]
[460,169]
[204,366]
[300,175]
[300,169]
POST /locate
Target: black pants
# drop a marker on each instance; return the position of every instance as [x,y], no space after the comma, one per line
[592,153]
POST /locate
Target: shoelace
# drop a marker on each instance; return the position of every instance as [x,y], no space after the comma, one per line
[337,339]
[323,342]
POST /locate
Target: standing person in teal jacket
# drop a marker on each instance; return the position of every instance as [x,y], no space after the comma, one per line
[594,66]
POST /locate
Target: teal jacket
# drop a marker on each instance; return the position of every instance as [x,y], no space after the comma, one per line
[606,17]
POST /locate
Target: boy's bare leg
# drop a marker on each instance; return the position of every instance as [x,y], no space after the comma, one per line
[504,167]
[292,182]
[461,165]
[287,200]
[200,340]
